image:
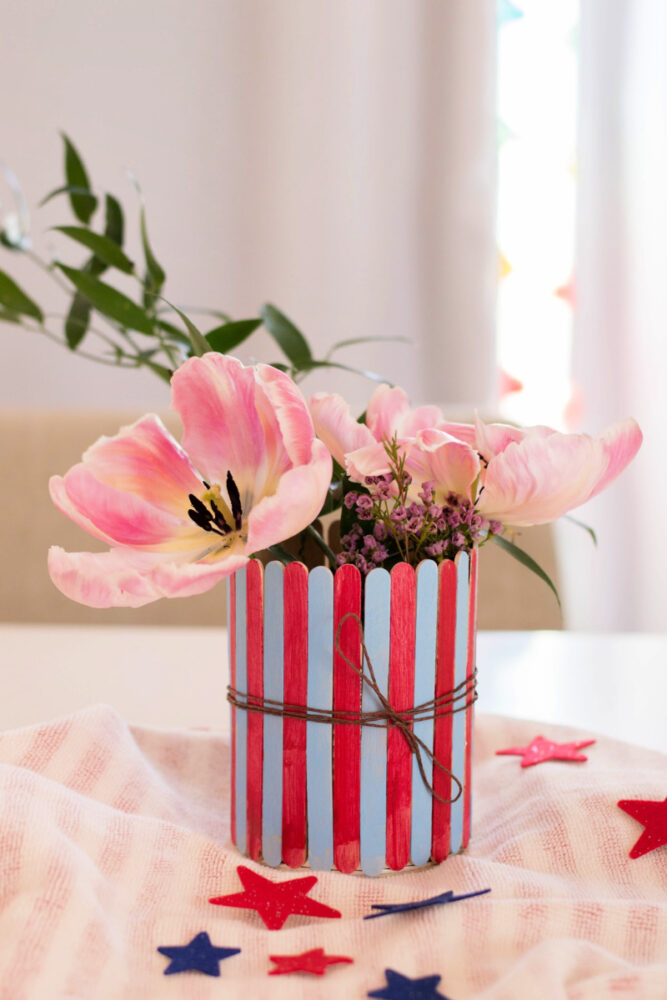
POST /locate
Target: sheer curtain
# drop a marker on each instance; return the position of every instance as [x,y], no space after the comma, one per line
[620,348]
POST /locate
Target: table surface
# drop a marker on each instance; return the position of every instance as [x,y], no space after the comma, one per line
[612,684]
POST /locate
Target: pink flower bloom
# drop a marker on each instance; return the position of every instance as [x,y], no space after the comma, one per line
[538,474]
[518,476]
[178,519]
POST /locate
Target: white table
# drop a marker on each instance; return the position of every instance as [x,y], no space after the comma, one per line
[176,677]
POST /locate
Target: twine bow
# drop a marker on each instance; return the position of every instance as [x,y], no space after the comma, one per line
[403,720]
[387,715]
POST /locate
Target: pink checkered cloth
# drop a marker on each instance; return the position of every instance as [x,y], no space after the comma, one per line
[113,838]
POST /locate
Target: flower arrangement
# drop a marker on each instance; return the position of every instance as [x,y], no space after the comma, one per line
[351,688]
[251,472]
[258,463]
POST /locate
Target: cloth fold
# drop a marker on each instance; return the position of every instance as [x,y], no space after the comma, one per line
[114,837]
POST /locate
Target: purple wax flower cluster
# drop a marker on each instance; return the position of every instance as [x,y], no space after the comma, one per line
[412,530]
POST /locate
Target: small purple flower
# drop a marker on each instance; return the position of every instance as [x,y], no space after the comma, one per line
[454,519]
[380,531]
[350,500]
[495,527]
[436,549]
[398,514]
[427,491]
[458,540]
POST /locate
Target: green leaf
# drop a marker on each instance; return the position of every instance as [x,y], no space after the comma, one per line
[109,301]
[200,344]
[104,249]
[155,274]
[76,323]
[365,340]
[580,524]
[15,300]
[290,340]
[83,205]
[174,332]
[114,230]
[6,316]
[64,189]
[279,365]
[229,335]
[525,560]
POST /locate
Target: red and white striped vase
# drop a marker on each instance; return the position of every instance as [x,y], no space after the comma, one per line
[343,795]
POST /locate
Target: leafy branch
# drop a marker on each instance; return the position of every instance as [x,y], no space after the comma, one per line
[146,330]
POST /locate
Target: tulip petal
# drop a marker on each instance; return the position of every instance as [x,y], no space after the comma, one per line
[215,396]
[462,432]
[145,460]
[437,457]
[297,501]
[538,479]
[62,501]
[123,577]
[371,460]
[419,419]
[123,517]
[284,405]
[620,442]
[335,425]
[386,408]
[491,439]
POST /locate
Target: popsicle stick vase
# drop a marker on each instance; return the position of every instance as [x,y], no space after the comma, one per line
[312,781]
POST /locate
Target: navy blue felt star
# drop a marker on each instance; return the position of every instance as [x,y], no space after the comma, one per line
[444,897]
[403,988]
[197,956]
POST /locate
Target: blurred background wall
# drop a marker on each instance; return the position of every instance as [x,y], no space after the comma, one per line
[336,158]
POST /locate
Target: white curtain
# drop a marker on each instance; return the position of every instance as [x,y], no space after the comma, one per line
[621,317]
[334,156]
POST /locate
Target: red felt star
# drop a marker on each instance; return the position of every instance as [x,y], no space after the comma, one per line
[653,817]
[540,749]
[275,901]
[314,961]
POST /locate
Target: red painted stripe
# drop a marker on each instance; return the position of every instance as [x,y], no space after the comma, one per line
[255,654]
[472,636]
[401,696]
[444,682]
[347,738]
[231,625]
[294,730]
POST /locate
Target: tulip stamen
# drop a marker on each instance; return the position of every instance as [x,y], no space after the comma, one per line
[235,500]
[208,511]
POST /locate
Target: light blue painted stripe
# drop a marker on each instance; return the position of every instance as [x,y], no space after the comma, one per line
[241,717]
[425,657]
[272,775]
[319,735]
[373,826]
[459,718]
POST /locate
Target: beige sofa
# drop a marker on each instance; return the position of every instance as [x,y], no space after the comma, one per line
[36,444]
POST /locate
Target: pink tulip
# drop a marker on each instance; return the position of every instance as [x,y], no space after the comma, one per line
[538,474]
[518,476]
[178,519]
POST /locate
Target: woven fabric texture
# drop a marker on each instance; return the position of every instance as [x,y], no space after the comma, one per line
[113,838]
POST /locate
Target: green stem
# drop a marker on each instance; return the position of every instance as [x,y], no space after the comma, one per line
[317,538]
